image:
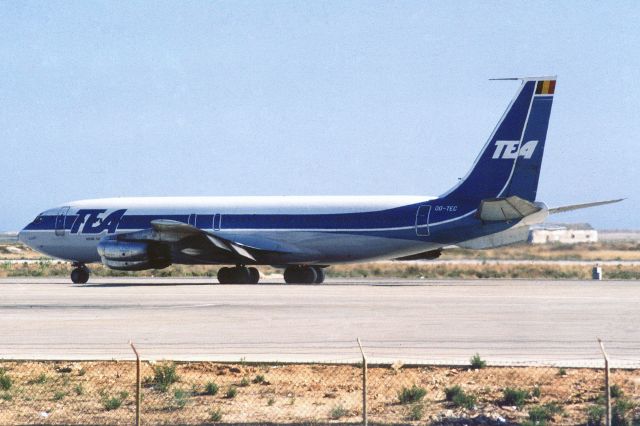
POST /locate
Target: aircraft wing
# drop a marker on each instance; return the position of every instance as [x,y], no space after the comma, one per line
[182,229]
[571,207]
[189,241]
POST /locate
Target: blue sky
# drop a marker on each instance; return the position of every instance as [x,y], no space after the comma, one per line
[321,98]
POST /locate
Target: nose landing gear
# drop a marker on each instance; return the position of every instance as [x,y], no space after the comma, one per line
[80,273]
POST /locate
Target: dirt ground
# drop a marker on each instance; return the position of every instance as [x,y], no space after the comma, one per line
[104,393]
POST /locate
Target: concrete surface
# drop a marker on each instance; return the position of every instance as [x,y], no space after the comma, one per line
[506,321]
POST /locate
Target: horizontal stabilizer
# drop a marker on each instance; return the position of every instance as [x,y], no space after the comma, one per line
[504,209]
[582,206]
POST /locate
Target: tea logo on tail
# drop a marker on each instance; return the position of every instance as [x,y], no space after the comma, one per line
[509,150]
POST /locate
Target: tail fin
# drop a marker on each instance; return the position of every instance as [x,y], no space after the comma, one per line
[510,162]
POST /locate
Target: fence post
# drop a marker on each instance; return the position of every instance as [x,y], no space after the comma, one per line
[364,384]
[606,381]
[137,383]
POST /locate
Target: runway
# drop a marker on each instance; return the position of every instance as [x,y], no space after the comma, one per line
[508,322]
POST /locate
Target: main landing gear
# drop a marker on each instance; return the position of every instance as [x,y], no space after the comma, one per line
[80,273]
[238,275]
[303,275]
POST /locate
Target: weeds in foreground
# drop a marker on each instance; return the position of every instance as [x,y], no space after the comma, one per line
[621,412]
[477,362]
[164,375]
[338,412]
[595,415]
[180,398]
[616,391]
[412,394]
[231,392]
[416,412]
[539,415]
[459,398]
[5,381]
[211,388]
[113,402]
[215,415]
[514,397]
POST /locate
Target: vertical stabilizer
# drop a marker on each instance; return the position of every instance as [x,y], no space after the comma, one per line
[510,161]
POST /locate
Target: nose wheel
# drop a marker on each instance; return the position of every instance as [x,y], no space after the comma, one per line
[80,274]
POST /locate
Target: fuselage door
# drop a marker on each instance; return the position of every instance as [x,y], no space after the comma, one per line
[422,220]
[60,221]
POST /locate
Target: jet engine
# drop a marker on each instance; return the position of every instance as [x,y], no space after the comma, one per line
[133,255]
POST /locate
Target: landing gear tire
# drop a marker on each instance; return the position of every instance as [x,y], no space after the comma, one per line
[238,275]
[319,275]
[300,275]
[224,275]
[254,275]
[80,275]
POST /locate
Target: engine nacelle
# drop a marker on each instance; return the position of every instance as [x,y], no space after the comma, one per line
[133,255]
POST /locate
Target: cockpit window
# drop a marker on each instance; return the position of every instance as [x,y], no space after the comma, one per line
[38,219]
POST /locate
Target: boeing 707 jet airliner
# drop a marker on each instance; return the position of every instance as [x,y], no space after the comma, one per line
[493,205]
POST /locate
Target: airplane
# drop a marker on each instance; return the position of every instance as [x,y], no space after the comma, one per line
[493,205]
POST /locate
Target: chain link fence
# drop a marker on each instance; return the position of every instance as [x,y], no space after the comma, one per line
[198,393]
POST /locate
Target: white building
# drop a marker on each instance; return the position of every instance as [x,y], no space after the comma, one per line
[563,234]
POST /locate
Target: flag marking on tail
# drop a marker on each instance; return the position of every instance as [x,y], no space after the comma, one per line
[546,87]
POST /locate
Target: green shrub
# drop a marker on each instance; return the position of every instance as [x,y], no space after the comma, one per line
[6,396]
[271,401]
[514,396]
[413,394]
[536,392]
[541,414]
[338,412]
[114,402]
[79,389]
[464,400]
[5,381]
[595,415]
[416,412]
[259,379]
[231,392]
[451,392]
[216,415]
[41,379]
[164,375]
[244,382]
[616,391]
[180,397]
[59,395]
[621,411]
[477,362]
[562,372]
[211,388]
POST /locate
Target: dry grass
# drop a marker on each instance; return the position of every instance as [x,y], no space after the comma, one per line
[623,250]
[289,393]
[426,270]
[413,270]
